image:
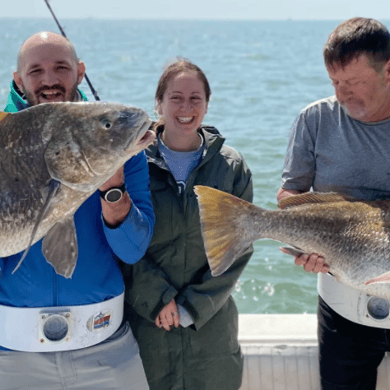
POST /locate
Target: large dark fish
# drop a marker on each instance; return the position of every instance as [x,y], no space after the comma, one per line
[54,156]
[352,235]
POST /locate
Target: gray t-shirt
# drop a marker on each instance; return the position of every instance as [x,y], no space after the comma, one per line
[330,151]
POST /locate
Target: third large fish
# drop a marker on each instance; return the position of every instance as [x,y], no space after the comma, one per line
[352,235]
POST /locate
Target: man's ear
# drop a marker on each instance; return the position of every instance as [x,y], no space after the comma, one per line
[159,109]
[387,68]
[18,81]
[80,72]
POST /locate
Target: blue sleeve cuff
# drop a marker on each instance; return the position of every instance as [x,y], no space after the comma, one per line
[130,240]
[185,318]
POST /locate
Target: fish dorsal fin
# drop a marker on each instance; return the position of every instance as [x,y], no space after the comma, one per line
[3,115]
[313,197]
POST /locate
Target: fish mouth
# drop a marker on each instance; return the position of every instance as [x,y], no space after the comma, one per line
[145,136]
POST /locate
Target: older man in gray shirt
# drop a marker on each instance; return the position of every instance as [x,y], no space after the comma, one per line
[342,144]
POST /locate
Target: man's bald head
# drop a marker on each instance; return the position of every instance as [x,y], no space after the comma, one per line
[48,69]
[44,38]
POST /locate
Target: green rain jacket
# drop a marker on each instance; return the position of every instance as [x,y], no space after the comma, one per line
[205,355]
[15,101]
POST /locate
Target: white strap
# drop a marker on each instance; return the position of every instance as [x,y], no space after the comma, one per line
[353,304]
[62,328]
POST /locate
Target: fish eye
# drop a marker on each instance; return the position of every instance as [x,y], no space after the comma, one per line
[106,123]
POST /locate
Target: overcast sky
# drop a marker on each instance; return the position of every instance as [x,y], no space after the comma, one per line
[199,9]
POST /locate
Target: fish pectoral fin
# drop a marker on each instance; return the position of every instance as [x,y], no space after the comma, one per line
[292,250]
[60,247]
[384,278]
[312,197]
[53,187]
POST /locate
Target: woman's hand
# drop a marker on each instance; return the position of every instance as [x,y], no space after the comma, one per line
[168,316]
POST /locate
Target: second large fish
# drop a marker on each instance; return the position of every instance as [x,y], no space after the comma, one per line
[52,158]
[352,235]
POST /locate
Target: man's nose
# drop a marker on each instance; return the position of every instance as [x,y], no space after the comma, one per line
[49,78]
[342,89]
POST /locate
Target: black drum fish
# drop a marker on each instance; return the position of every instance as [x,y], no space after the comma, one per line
[352,235]
[53,156]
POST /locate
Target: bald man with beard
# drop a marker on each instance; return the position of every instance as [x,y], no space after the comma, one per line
[74,335]
[48,70]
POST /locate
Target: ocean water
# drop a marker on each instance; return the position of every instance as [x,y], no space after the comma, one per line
[262,73]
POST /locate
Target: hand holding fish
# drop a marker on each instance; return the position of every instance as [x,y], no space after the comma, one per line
[115,181]
[283,193]
[115,213]
[311,263]
[168,316]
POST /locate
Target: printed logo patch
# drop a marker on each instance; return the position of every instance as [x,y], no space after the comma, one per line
[99,322]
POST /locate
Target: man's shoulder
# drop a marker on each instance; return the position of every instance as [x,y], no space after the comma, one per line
[15,101]
[328,103]
[82,95]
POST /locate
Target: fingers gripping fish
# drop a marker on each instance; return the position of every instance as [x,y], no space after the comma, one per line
[52,158]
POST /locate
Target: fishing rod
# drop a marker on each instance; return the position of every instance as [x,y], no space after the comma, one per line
[94,92]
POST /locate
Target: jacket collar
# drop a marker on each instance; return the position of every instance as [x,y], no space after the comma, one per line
[212,137]
[16,102]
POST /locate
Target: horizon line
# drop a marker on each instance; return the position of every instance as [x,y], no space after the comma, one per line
[181,19]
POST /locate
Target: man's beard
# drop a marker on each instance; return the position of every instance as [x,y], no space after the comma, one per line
[33,98]
[357,111]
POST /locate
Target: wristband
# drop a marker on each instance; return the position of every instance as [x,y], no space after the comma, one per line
[113,194]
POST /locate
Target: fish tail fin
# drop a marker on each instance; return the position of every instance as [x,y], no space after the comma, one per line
[226,234]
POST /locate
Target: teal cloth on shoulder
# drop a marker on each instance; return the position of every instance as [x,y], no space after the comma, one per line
[16,103]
